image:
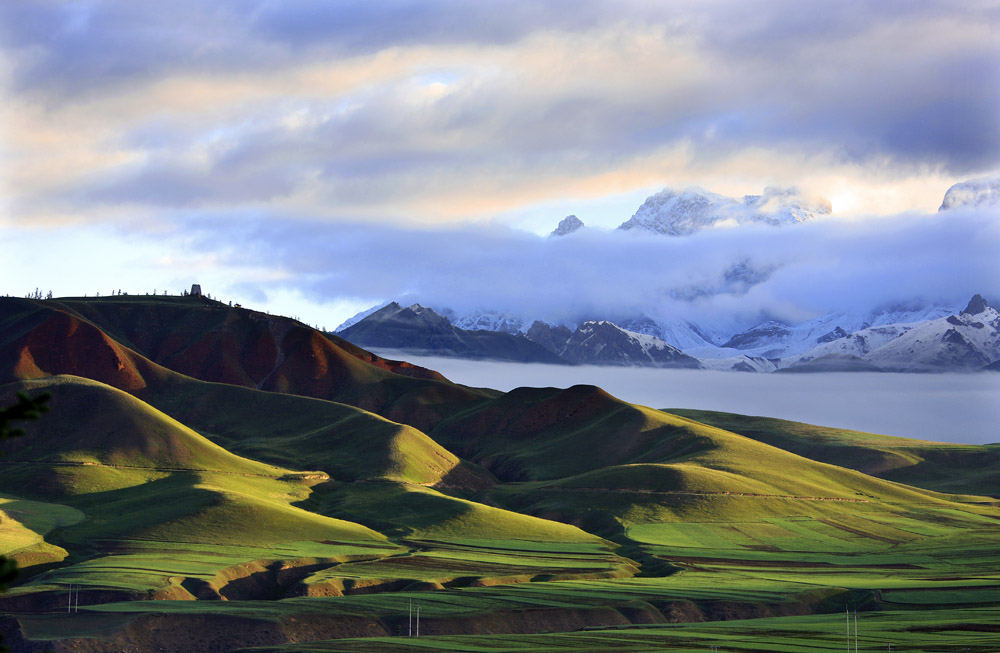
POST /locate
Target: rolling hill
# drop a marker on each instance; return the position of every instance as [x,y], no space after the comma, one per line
[945,467]
[211,478]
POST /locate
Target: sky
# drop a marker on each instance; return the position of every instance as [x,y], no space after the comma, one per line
[314,158]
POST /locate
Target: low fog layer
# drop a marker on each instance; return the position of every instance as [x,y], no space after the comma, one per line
[961,408]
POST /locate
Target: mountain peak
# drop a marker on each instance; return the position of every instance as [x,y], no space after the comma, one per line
[975,193]
[694,209]
[976,305]
[567,225]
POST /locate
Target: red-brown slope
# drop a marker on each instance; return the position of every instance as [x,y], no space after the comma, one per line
[209,341]
[54,342]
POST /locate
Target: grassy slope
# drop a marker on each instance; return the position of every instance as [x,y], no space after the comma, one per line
[745,528]
[346,442]
[960,468]
[138,474]
[141,475]
[958,630]
[584,439]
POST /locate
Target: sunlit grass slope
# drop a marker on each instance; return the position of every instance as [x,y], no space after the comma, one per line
[578,452]
[346,442]
[137,474]
[24,525]
[961,468]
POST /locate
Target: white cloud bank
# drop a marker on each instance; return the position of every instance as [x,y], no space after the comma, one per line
[789,273]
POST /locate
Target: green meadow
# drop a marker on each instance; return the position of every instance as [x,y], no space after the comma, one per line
[157,509]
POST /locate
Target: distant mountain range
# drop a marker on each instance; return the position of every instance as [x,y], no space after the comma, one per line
[909,337]
[933,340]
[419,329]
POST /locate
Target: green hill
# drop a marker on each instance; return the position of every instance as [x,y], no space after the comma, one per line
[265,484]
[945,467]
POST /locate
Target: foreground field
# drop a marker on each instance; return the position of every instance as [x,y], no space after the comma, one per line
[282,489]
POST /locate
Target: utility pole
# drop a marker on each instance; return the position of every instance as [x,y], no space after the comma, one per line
[418,619]
[409,618]
[69,604]
[847,613]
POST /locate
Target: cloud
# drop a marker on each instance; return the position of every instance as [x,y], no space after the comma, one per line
[790,273]
[428,111]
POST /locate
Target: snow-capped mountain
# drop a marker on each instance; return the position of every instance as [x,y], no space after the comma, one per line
[968,341]
[605,343]
[898,339]
[779,340]
[567,225]
[680,213]
[975,193]
[917,336]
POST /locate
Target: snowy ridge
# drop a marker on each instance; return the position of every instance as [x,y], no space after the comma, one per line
[975,193]
[605,343]
[969,340]
[680,213]
[646,342]
[351,321]
[775,340]
[489,321]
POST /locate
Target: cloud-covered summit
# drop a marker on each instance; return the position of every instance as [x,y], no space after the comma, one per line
[680,213]
[975,193]
[567,225]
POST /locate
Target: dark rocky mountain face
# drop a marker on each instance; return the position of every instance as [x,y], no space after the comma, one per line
[420,329]
[767,333]
[836,334]
[976,305]
[604,343]
[551,337]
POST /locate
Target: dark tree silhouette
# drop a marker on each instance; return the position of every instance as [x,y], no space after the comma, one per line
[26,408]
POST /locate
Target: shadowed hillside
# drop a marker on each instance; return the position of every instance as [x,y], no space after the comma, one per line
[284,486]
[106,339]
